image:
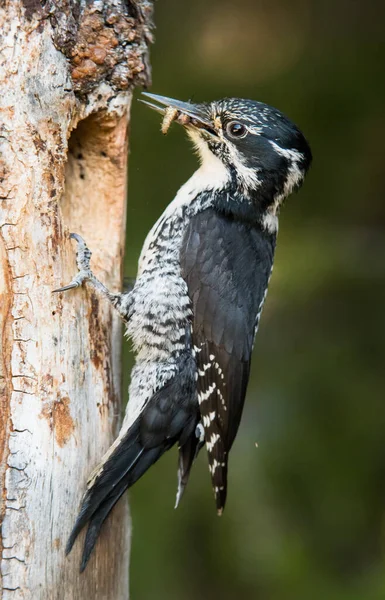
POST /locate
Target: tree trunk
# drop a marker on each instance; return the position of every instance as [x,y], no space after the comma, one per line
[67,70]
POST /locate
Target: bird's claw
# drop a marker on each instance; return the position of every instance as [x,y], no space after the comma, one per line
[76,282]
[83,256]
[83,253]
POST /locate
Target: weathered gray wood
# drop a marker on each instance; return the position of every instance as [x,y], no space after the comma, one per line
[67,70]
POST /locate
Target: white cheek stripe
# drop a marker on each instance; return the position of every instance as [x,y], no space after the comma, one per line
[248,176]
[294,177]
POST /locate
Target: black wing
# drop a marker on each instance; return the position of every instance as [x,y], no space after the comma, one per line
[226,265]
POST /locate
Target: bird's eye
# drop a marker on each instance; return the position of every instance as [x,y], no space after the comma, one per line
[236,130]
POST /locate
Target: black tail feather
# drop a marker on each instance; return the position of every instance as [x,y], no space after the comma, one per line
[124,457]
[169,416]
[94,499]
[187,454]
[101,512]
[97,521]
[219,481]
[122,469]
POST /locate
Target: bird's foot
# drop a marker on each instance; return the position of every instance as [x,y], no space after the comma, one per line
[83,257]
[121,302]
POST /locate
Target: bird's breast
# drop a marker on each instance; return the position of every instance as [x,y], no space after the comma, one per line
[161,310]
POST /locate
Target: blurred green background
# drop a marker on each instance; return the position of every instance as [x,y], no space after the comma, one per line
[306,509]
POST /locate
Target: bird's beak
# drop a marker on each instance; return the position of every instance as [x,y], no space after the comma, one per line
[184,113]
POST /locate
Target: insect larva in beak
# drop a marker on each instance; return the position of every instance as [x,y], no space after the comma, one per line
[170,115]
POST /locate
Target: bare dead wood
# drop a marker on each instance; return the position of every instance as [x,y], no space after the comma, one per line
[67,70]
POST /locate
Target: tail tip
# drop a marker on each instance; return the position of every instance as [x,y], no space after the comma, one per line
[220,498]
[84,563]
[179,494]
[69,545]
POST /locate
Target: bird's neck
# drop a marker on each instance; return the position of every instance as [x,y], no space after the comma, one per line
[241,196]
[248,204]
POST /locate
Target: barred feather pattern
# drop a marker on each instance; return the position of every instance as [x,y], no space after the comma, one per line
[161,308]
[212,404]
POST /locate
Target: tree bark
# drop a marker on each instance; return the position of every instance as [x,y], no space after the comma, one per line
[67,70]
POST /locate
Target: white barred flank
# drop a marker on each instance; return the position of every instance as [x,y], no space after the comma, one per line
[220,371]
[222,399]
[205,367]
[160,307]
[208,365]
[204,396]
[215,465]
[208,419]
[212,441]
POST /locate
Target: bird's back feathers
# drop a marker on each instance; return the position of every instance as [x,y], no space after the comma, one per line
[226,265]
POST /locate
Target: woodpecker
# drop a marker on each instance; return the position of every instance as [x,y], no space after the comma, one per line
[194,310]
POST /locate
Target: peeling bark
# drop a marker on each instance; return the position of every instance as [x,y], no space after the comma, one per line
[67,70]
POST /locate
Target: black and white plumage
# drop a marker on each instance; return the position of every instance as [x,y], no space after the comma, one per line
[195,306]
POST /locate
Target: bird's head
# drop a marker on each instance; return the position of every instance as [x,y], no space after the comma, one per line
[265,153]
